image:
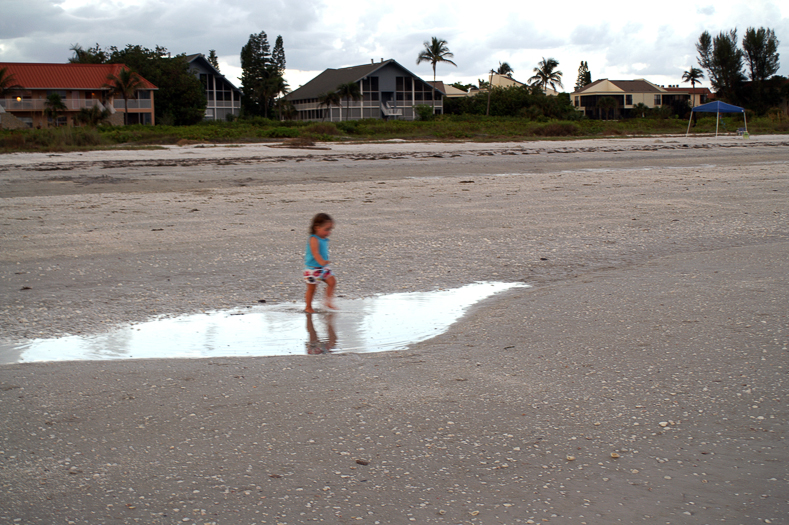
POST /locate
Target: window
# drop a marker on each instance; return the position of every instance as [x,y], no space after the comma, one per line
[628,100]
[657,100]
[576,101]
[370,84]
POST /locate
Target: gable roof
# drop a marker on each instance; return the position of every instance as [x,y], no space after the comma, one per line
[439,85]
[205,64]
[65,76]
[604,85]
[331,78]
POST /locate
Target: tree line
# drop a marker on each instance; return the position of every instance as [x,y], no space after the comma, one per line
[181,97]
[727,65]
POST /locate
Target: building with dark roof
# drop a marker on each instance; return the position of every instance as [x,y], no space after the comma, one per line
[79,86]
[627,94]
[222,97]
[388,91]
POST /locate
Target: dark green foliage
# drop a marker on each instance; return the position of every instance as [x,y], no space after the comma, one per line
[53,107]
[322,129]
[278,56]
[505,69]
[8,83]
[443,127]
[180,98]
[761,53]
[522,101]
[212,59]
[92,55]
[262,74]
[424,112]
[51,139]
[461,86]
[723,61]
[92,116]
[584,76]
[349,91]
[546,74]
[607,107]
[279,133]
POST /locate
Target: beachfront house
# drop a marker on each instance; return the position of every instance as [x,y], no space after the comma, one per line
[389,91]
[222,97]
[79,86]
[626,94]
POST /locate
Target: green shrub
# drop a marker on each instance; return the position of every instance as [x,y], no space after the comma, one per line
[424,112]
[278,133]
[322,128]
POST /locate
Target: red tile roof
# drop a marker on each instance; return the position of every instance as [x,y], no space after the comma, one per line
[64,76]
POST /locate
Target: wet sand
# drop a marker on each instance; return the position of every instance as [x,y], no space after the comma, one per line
[656,331]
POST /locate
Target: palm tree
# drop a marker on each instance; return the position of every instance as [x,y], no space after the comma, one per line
[282,88]
[54,106]
[125,84]
[641,108]
[435,51]
[349,91]
[329,99]
[92,116]
[606,104]
[505,69]
[693,75]
[545,73]
[7,82]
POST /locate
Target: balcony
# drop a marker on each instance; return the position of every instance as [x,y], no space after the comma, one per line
[39,104]
[133,103]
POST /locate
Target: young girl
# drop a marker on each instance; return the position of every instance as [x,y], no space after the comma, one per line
[316,261]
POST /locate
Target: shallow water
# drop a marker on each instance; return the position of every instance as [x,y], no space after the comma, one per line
[375,324]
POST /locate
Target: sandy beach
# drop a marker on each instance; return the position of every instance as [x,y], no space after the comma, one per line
[641,379]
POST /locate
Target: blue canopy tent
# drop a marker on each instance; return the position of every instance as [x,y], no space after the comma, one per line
[717,107]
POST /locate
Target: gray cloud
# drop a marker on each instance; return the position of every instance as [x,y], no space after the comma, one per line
[43,32]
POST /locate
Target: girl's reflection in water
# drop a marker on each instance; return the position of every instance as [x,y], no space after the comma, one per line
[316,345]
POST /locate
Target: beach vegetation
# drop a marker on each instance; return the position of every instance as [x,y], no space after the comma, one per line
[470,127]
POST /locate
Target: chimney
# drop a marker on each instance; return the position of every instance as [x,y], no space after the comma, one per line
[372,61]
[382,59]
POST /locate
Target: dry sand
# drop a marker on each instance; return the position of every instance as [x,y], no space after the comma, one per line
[656,331]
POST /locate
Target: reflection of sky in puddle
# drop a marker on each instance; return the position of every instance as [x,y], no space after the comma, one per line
[375,324]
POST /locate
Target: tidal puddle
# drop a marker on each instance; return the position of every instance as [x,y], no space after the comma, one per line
[375,324]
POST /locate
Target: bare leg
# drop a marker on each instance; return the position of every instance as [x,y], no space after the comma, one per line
[308,297]
[331,284]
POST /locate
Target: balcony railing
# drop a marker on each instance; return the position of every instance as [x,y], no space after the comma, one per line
[133,103]
[72,104]
[224,104]
[39,104]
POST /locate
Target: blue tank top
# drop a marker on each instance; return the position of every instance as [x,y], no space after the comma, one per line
[323,249]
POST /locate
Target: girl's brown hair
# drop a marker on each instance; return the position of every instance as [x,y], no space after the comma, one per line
[318,220]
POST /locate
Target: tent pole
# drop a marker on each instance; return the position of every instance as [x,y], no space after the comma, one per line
[717,120]
[744,119]
[691,118]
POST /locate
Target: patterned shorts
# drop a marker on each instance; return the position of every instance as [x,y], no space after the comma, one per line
[313,275]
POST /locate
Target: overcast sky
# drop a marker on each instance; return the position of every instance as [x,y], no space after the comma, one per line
[619,40]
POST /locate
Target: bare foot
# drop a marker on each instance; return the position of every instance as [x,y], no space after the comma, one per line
[330,304]
[309,311]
